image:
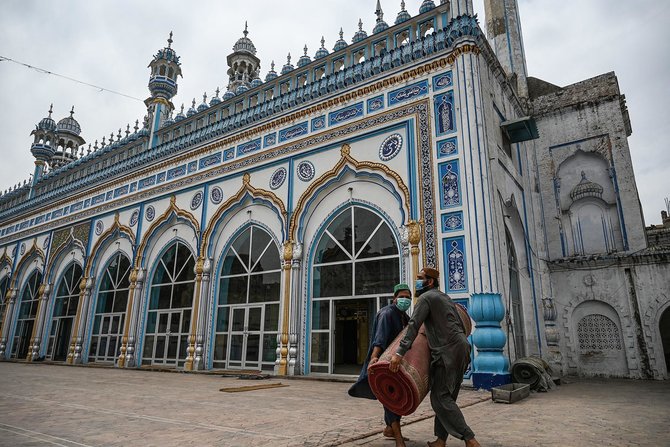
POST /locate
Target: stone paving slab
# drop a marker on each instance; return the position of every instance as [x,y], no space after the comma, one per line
[46,405]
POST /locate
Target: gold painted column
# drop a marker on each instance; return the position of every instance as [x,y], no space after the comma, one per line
[75,355]
[286,307]
[10,297]
[414,237]
[38,327]
[128,358]
[194,349]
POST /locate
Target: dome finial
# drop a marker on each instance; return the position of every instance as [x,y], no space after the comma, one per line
[379,12]
[323,42]
[217,91]
[402,5]
[305,49]
[360,24]
[246,29]
[204,97]
[272,66]
[72,112]
[137,122]
[341,33]
[288,59]
[51,109]
[170,40]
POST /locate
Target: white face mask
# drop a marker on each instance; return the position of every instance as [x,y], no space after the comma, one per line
[403,303]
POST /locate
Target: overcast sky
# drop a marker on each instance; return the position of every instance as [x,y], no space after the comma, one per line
[110,43]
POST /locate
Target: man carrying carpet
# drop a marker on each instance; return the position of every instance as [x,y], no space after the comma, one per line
[389,322]
[450,356]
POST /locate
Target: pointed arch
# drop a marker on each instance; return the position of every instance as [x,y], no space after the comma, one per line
[117,230]
[247,190]
[70,244]
[34,253]
[346,161]
[172,212]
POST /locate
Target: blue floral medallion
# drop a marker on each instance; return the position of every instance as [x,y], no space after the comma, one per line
[196,201]
[216,195]
[278,177]
[305,171]
[390,147]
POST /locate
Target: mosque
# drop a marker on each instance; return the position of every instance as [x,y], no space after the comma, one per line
[264,228]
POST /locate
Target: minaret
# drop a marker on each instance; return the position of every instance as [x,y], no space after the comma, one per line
[165,67]
[68,141]
[243,64]
[43,147]
[503,30]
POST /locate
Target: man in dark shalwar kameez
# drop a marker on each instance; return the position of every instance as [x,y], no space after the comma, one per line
[450,356]
[389,322]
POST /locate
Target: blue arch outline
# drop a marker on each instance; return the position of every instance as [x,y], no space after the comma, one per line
[50,308]
[15,317]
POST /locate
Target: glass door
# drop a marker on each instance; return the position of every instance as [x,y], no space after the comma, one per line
[245,337]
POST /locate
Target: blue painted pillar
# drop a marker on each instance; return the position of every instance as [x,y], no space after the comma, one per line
[490,367]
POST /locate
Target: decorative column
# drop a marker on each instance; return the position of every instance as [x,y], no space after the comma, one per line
[75,355]
[38,329]
[196,337]
[414,237]
[551,335]
[296,269]
[10,297]
[127,358]
[490,367]
[283,342]
[404,243]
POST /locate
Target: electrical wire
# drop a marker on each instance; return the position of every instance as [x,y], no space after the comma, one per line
[48,72]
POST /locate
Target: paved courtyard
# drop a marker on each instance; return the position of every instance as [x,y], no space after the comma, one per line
[43,405]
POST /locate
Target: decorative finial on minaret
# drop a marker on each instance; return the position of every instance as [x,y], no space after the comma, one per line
[89,149]
[204,98]
[137,122]
[128,130]
[272,66]
[217,91]
[118,135]
[193,103]
[323,42]
[170,40]
[72,112]
[51,109]
[402,5]
[246,29]
[305,49]
[288,59]
[379,12]
[360,24]
[95,146]
[103,141]
[341,33]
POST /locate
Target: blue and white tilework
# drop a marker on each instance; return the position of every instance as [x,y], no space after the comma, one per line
[455,261]
[319,123]
[449,184]
[442,81]
[216,195]
[390,147]
[277,178]
[134,218]
[146,182]
[407,93]
[192,166]
[293,132]
[447,148]
[160,178]
[99,228]
[345,114]
[210,160]
[229,154]
[444,113]
[375,104]
[196,200]
[150,213]
[270,140]
[305,171]
[247,148]
[452,222]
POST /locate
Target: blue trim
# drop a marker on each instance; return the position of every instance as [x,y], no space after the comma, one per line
[412,168]
[624,233]
[50,311]
[406,93]
[293,132]
[345,114]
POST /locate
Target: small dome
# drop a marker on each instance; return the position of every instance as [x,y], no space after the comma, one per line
[341,43]
[69,124]
[304,59]
[192,111]
[586,188]
[288,67]
[256,82]
[360,34]
[272,74]
[426,6]
[47,123]
[228,95]
[204,105]
[215,99]
[167,53]
[241,89]
[180,116]
[381,25]
[403,15]
[244,44]
[321,52]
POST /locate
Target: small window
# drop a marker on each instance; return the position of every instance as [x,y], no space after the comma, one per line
[338,65]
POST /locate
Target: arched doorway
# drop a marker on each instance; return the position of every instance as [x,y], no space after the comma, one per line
[170,308]
[664,328]
[27,314]
[66,301]
[4,285]
[356,263]
[247,313]
[110,311]
[515,304]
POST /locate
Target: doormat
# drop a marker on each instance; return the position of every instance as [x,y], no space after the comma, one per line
[264,386]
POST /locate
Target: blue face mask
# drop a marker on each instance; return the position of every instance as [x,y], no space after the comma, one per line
[418,284]
[403,303]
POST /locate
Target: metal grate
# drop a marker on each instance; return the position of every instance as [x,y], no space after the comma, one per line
[599,333]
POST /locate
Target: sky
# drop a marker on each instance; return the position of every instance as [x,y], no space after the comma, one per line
[109,43]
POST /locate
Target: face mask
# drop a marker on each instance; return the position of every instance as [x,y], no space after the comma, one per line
[403,303]
[418,286]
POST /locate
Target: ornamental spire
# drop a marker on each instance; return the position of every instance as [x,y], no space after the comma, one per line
[170,40]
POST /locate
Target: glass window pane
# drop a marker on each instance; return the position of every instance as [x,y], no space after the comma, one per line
[93,351]
[320,314]
[104,302]
[341,230]
[329,251]
[96,324]
[161,275]
[259,241]
[254,320]
[220,345]
[160,297]
[236,347]
[160,346]
[169,258]
[183,295]
[175,318]
[120,301]
[162,323]
[271,317]
[238,319]
[332,280]
[241,246]
[269,347]
[106,283]
[365,223]
[264,287]
[72,306]
[232,265]
[233,290]
[185,271]
[151,322]
[382,244]
[222,319]
[269,261]
[376,276]
[253,347]
[186,321]
[173,342]
[320,347]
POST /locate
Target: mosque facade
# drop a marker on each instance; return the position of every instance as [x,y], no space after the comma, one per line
[264,228]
